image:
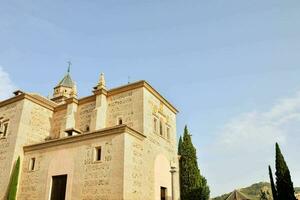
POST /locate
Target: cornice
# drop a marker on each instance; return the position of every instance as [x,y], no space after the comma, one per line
[111,92]
[100,91]
[12,100]
[32,98]
[87,99]
[71,100]
[160,97]
[83,137]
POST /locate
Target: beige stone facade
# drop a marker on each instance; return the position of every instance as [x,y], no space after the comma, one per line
[115,144]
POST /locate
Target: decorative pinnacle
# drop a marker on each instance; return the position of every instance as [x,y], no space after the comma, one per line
[101,83]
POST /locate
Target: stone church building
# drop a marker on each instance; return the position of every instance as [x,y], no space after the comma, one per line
[116,144]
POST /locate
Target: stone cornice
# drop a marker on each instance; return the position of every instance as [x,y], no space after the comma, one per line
[60,107]
[51,105]
[100,91]
[39,101]
[87,136]
[71,100]
[87,99]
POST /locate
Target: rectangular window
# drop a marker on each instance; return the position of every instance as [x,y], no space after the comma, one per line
[161,128]
[97,153]
[168,132]
[32,164]
[120,121]
[155,125]
[5,128]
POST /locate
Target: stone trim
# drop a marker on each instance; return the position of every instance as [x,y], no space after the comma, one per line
[87,136]
[61,107]
[22,96]
[71,100]
[87,99]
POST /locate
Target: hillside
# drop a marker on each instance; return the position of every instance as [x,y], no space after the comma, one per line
[253,191]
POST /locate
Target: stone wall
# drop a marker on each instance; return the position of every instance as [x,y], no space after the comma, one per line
[128,107]
[11,113]
[58,123]
[84,116]
[159,148]
[87,179]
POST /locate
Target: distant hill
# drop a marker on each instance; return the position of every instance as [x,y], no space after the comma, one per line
[252,191]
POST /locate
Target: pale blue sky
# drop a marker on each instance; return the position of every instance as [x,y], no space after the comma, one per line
[216,61]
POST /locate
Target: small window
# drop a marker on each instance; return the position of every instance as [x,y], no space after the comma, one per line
[69,133]
[155,125]
[97,153]
[87,128]
[5,128]
[168,133]
[120,121]
[32,164]
[160,128]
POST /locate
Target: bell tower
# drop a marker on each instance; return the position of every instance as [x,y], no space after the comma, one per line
[65,89]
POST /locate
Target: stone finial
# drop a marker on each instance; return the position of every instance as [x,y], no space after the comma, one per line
[101,83]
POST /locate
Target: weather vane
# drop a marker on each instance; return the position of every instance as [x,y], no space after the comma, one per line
[69,66]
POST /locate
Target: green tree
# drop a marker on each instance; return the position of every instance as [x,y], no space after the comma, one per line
[284,184]
[192,184]
[273,187]
[179,145]
[12,191]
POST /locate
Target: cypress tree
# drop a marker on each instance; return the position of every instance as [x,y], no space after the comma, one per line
[179,145]
[284,184]
[274,191]
[192,184]
[12,192]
